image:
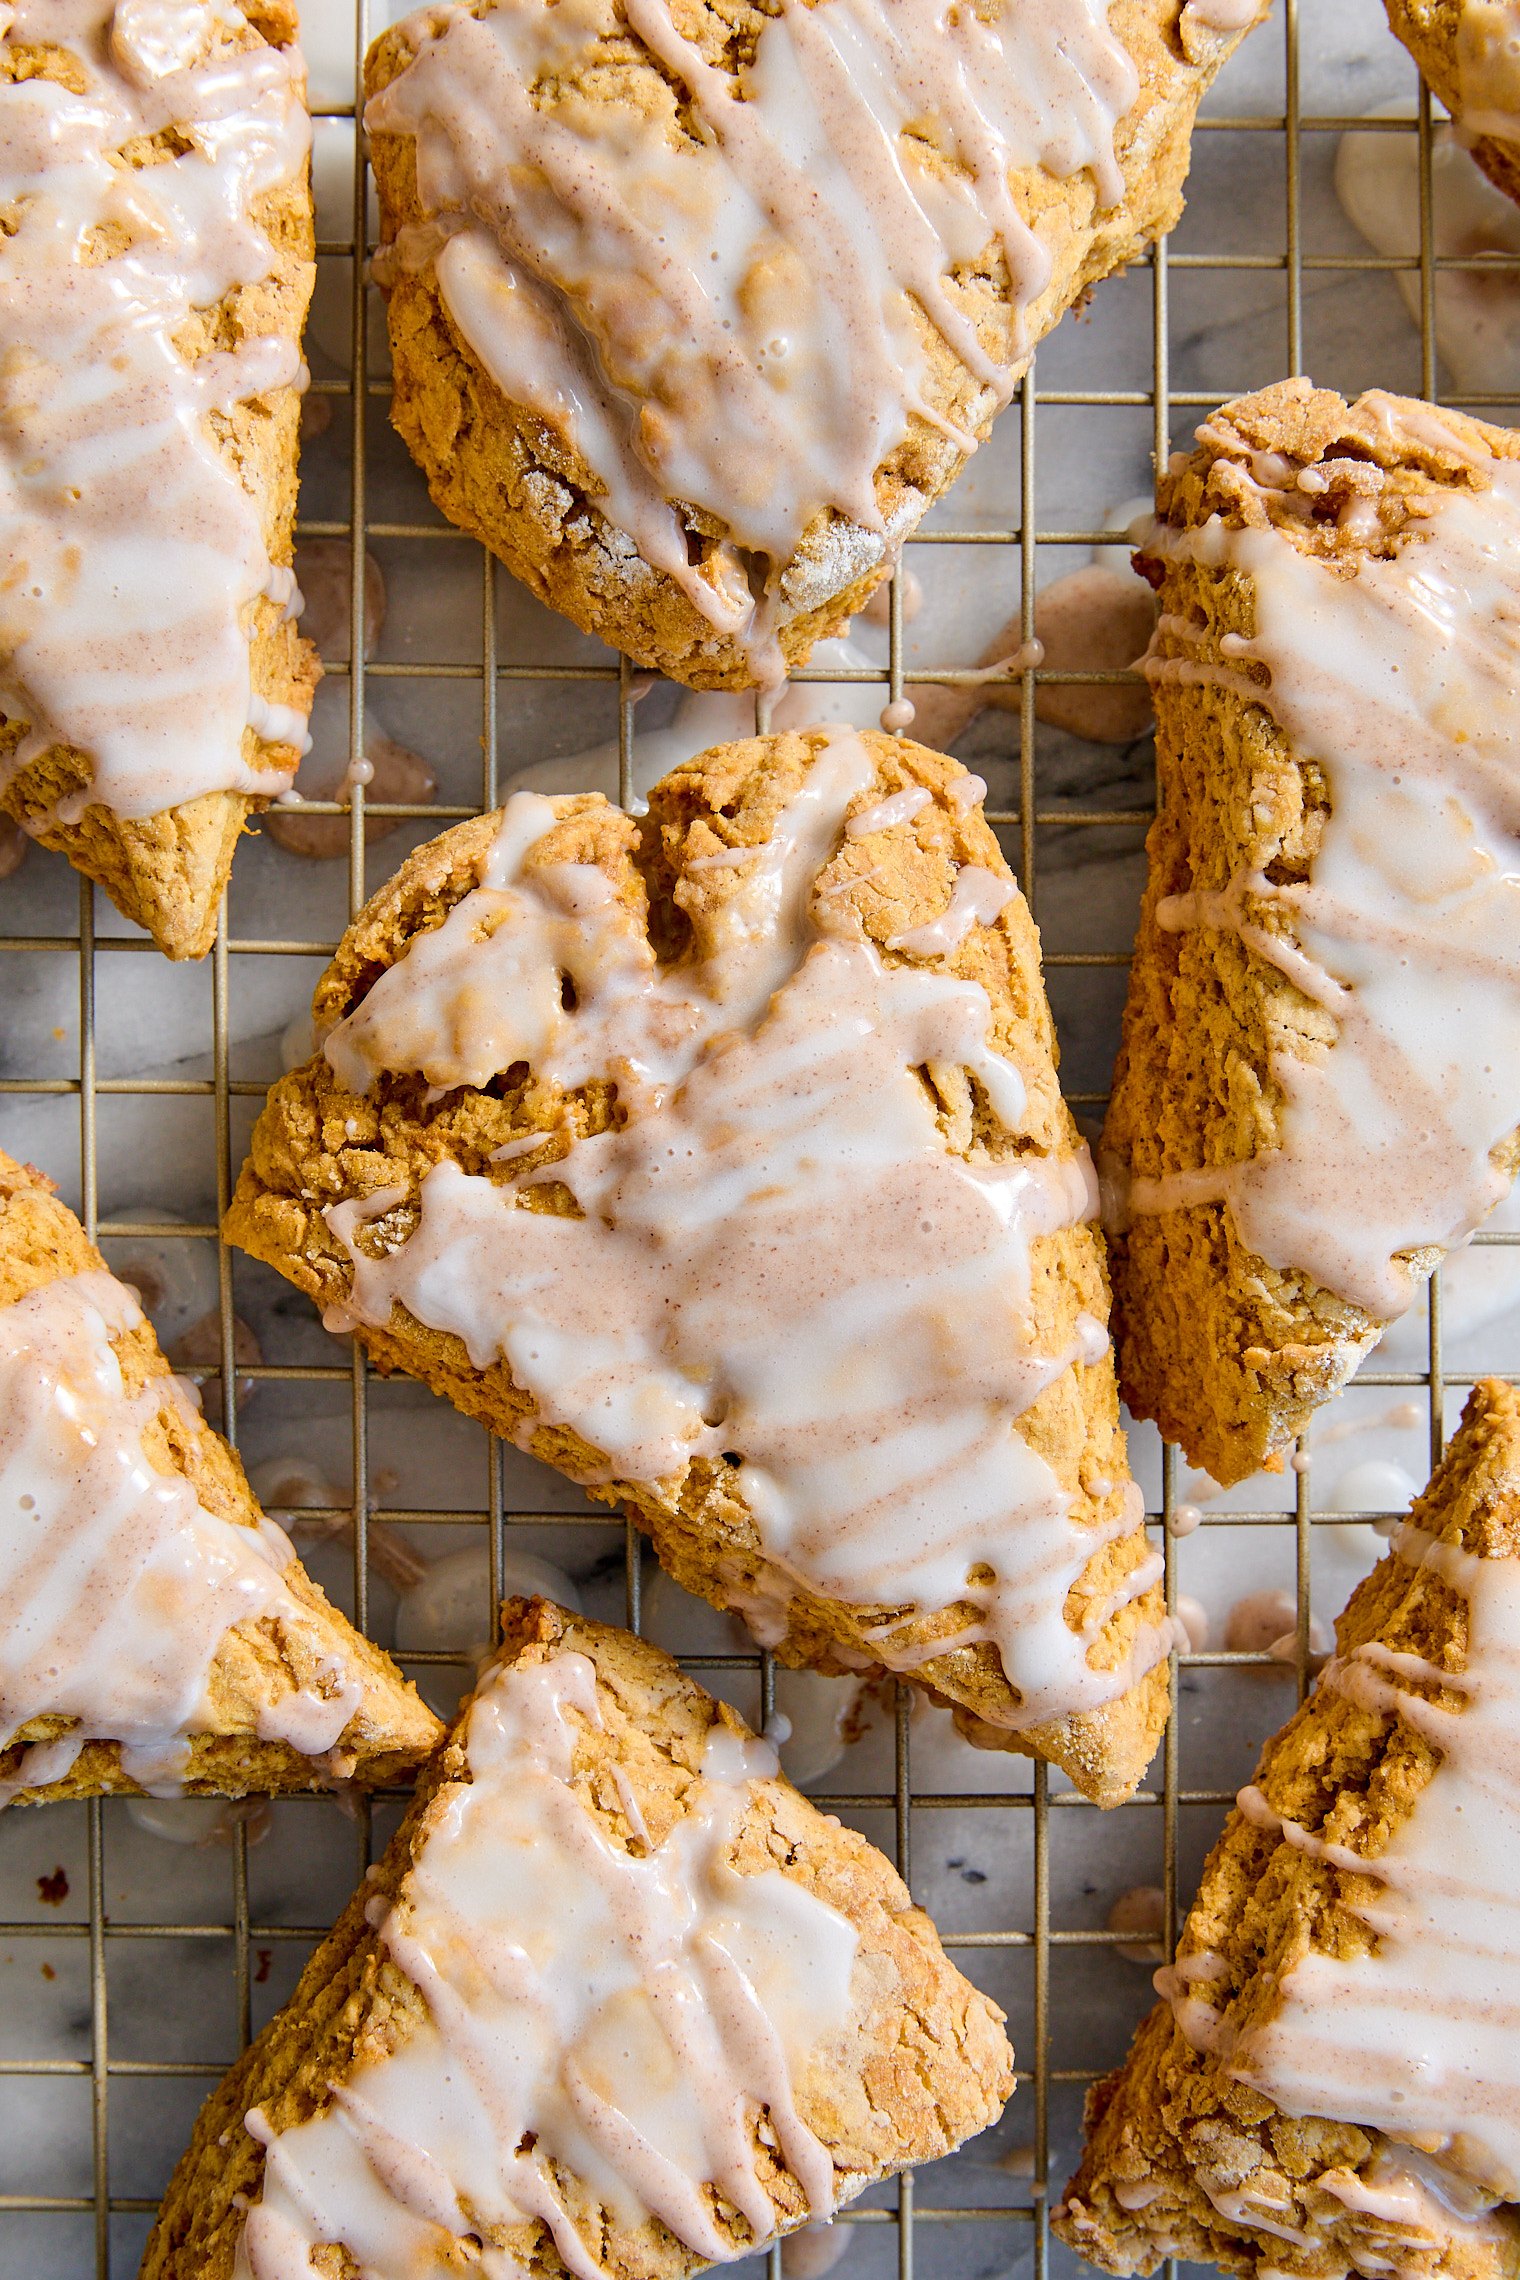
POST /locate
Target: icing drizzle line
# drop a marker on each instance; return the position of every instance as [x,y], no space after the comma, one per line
[131,556]
[1403,683]
[779,1262]
[721,316]
[619,2015]
[118,1586]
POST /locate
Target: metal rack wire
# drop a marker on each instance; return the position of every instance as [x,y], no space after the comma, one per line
[1018,2219]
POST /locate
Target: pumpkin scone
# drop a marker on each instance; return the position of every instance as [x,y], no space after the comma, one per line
[695,310]
[617,2001]
[156,1631]
[1319,1082]
[155,266]
[1469,50]
[719,1160]
[1331,2083]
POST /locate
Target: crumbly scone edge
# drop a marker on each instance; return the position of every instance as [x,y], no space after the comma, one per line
[922,2066]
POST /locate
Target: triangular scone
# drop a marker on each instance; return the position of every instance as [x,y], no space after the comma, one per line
[154,687]
[156,1631]
[1465,48]
[731,1175]
[1306,1986]
[705,443]
[618,2000]
[1320,1075]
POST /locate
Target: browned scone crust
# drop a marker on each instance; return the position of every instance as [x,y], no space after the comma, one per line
[1172,2121]
[1428,28]
[1230,1356]
[316,1145]
[166,872]
[507,477]
[921,2065]
[258,1662]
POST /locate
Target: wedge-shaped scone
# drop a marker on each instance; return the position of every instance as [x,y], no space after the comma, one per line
[1332,2083]
[156,1631]
[720,1161]
[1320,1076]
[617,2001]
[695,310]
[155,267]
[1469,52]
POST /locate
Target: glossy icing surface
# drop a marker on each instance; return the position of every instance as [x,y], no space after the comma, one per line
[1402,682]
[118,1586]
[779,1264]
[131,556]
[719,301]
[621,2014]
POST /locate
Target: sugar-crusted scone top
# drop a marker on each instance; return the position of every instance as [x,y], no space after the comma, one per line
[135,562]
[804,1271]
[729,259]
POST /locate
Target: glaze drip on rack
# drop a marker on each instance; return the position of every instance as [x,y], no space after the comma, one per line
[118,1586]
[778,1264]
[621,2016]
[716,301]
[131,556]
[1402,682]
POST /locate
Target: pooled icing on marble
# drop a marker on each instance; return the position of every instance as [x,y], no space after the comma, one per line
[1418,2038]
[1488,69]
[1400,682]
[118,1586]
[131,556]
[622,2015]
[780,1264]
[721,315]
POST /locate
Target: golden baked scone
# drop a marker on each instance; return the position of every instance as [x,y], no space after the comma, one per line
[818,1294]
[695,376]
[153,1636]
[551,1930]
[1315,1095]
[1465,48]
[153,684]
[1329,2086]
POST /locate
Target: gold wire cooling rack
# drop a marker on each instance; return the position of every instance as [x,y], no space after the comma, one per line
[1001,2224]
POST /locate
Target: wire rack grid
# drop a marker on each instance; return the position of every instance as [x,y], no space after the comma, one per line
[969,2235]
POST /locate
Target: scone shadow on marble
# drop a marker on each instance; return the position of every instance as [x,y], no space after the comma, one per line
[617,2001]
[720,1161]
[1328,2085]
[797,363]
[156,1631]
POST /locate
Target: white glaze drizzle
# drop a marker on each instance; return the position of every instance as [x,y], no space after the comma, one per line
[1488,69]
[1401,682]
[1419,2038]
[978,899]
[779,1259]
[724,317]
[118,1586]
[131,556]
[622,2015]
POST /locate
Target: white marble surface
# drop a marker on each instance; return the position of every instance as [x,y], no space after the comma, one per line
[173,1998]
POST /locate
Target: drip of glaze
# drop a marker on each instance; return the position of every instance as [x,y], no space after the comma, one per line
[118,1585]
[729,314]
[618,2015]
[133,558]
[778,1260]
[1417,2038]
[1400,681]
